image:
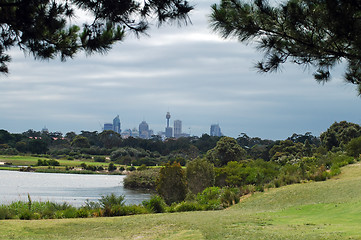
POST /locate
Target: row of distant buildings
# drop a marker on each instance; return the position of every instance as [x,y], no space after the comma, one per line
[144,132]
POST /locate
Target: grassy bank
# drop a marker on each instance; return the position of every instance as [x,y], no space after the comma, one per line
[30,160]
[65,166]
[315,210]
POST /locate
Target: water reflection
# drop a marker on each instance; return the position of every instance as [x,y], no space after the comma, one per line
[74,189]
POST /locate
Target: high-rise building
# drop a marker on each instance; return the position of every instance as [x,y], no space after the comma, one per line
[108,126]
[168,130]
[45,130]
[116,124]
[177,128]
[144,130]
[215,130]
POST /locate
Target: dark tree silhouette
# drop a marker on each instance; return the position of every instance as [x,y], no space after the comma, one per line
[320,33]
[45,29]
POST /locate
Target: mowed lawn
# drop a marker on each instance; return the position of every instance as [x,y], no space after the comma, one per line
[314,210]
[32,161]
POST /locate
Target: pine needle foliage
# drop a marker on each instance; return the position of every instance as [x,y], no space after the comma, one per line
[46,29]
[316,33]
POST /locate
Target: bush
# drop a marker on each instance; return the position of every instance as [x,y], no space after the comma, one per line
[99,159]
[142,167]
[112,167]
[110,200]
[82,213]
[142,179]
[119,210]
[70,212]
[155,204]
[5,213]
[50,162]
[131,169]
[187,207]
[230,196]
[209,194]
[172,184]
[200,175]
[26,214]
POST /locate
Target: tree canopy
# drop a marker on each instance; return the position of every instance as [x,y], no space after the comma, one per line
[226,150]
[318,33]
[339,134]
[46,29]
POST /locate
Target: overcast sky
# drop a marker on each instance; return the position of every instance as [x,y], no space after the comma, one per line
[191,72]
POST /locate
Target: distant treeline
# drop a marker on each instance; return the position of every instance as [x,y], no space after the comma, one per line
[154,151]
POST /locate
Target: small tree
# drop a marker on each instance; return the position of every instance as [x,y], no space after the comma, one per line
[37,146]
[226,150]
[200,175]
[172,184]
[354,147]
[80,142]
[112,167]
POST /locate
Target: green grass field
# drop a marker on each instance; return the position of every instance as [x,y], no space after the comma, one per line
[314,210]
[32,161]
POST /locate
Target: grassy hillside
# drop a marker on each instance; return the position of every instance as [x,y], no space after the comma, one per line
[316,210]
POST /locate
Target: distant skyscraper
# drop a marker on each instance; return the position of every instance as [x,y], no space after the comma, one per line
[144,130]
[45,130]
[216,130]
[108,126]
[168,130]
[135,133]
[177,128]
[116,125]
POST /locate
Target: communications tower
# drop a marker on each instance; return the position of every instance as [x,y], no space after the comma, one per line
[168,130]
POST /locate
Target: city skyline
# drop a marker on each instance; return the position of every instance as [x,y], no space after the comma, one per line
[145,132]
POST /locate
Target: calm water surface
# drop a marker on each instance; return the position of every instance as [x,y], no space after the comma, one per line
[74,189]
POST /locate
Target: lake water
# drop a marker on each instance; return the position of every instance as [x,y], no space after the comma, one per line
[74,189]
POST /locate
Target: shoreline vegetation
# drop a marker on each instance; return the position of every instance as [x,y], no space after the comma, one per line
[44,164]
[312,210]
[144,178]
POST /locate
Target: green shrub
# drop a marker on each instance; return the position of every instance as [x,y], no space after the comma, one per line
[91,204]
[5,212]
[200,175]
[99,159]
[50,162]
[108,202]
[172,183]
[112,167]
[145,179]
[208,194]
[131,169]
[353,148]
[26,214]
[213,205]
[111,200]
[119,210]
[142,167]
[188,206]
[82,213]
[155,204]
[229,196]
[335,170]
